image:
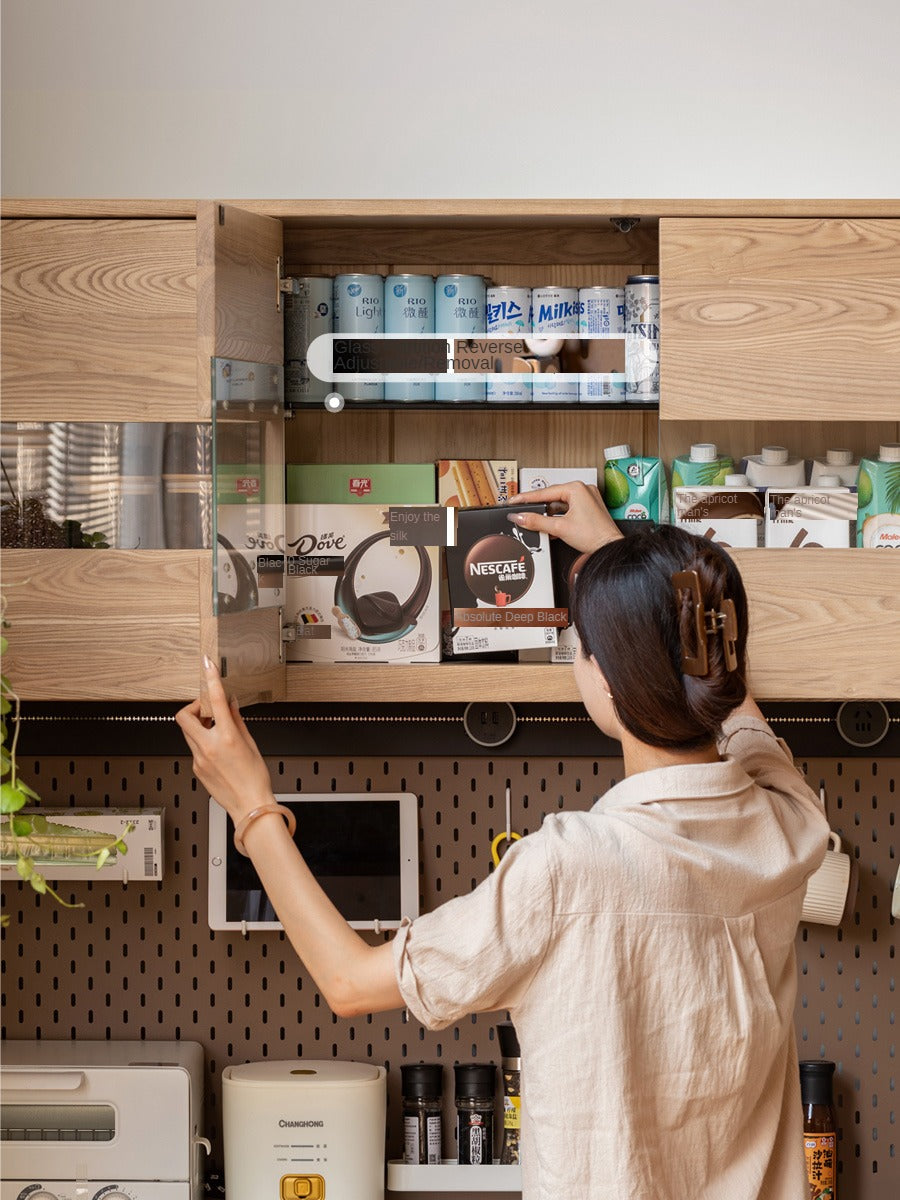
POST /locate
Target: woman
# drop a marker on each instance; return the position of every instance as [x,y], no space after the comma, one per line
[644,949]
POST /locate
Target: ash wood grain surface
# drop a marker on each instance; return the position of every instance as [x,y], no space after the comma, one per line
[99,320]
[780,319]
[237,312]
[824,624]
[103,624]
[459,210]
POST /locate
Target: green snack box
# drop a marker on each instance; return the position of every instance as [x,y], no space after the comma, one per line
[360,483]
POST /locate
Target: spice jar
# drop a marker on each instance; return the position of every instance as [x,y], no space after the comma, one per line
[511,1070]
[819,1128]
[475,1112]
[422,1083]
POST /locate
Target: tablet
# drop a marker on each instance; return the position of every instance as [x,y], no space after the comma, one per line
[362,848]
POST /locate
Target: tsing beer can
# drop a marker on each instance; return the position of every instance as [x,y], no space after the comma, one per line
[458,312]
[509,316]
[307,313]
[359,308]
[409,308]
[601,314]
[642,337]
[555,315]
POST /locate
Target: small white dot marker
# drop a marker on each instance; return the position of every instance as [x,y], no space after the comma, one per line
[334,401]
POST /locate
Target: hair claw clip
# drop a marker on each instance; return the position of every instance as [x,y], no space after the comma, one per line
[695,661]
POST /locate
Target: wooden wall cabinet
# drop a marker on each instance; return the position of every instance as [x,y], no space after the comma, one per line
[781,322]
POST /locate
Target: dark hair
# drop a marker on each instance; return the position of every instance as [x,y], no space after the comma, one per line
[635,623]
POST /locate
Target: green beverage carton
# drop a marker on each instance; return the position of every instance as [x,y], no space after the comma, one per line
[703,467]
[633,486]
[878,499]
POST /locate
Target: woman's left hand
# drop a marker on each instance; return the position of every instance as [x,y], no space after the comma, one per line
[227,761]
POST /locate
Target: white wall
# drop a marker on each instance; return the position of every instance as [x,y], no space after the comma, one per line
[284,98]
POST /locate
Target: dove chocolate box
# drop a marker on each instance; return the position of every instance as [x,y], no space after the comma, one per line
[500,584]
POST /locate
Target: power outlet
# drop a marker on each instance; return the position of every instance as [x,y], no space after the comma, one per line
[489,724]
[863,723]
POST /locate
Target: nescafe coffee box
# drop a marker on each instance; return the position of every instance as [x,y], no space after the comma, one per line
[499,584]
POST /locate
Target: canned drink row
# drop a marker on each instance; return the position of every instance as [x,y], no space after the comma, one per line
[460,305]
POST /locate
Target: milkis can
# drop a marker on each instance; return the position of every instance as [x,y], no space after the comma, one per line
[642,338]
[555,315]
[601,313]
[509,316]
[308,312]
[459,312]
[409,309]
[359,308]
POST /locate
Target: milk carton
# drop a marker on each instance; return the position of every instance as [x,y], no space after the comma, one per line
[810,517]
[878,497]
[835,462]
[774,467]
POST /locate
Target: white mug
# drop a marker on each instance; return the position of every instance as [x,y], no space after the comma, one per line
[830,891]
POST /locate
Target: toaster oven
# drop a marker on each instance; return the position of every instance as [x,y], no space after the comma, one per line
[101,1120]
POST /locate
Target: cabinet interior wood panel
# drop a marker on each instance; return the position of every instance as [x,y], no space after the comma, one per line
[780,318]
[823,623]
[804,439]
[102,624]
[99,320]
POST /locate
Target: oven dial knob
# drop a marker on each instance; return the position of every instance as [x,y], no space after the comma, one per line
[39,1195]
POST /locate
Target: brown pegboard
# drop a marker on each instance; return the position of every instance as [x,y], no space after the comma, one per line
[142,962]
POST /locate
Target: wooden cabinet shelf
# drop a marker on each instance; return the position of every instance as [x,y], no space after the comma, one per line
[781,322]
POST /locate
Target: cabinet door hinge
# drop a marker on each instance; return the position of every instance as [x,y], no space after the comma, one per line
[284,284]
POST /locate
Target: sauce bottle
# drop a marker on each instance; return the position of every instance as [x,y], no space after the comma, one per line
[819,1128]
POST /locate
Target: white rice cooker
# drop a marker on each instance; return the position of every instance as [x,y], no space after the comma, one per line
[304,1129]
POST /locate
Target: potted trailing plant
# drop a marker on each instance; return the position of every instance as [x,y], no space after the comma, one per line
[26,837]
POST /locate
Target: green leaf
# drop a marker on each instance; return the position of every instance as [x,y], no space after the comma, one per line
[102,856]
[29,792]
[4,644]
[11,798]
[21,826]
[39,823]
[5,705]
[38,882]
[25,867]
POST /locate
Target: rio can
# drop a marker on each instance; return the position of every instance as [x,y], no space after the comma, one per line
[642,338]
[409,309]
[555,315]
[601,313]
[359,308]
[458,312]
[308,312]
[509,315]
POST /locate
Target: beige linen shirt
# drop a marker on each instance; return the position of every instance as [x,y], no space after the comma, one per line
[645,952]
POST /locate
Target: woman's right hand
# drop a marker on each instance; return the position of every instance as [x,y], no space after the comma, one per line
[585,524]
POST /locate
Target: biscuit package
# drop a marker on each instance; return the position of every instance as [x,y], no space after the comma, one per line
[475,482]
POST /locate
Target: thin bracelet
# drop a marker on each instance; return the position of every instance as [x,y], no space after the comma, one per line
[241,828]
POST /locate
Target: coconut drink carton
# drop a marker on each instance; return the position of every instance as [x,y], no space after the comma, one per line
[878,499]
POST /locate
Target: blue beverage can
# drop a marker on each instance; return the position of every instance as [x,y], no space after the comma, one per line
[459,312]
[359,308]
[307,313]
[601,314]
[509,316]
[555,315]
[409,308]
[642,337]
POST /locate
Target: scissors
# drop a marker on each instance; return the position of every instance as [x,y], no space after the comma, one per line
[505,835]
